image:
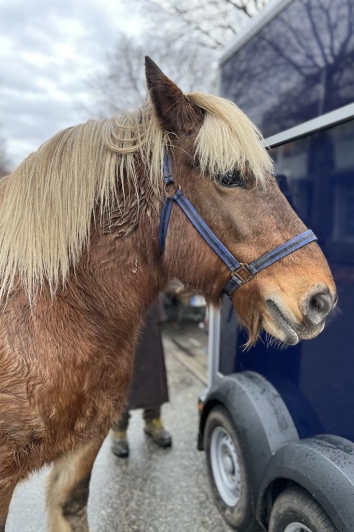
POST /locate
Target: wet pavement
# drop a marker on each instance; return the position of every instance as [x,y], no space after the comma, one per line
[190,346]
[155,490]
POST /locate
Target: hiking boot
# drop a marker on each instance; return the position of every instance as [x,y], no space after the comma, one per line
[120,446]
[159,434]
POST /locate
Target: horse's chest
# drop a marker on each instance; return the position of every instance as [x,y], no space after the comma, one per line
[90,407]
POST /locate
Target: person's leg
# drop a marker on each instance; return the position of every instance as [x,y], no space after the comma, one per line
[154,427]
[151,413]
[123,422]
[120,446]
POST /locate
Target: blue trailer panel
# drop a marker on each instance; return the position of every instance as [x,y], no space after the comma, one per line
[290,410]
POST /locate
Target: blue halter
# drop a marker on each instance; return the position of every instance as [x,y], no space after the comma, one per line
[241,272]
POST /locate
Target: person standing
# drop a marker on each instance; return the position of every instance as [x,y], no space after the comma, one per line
[148,389]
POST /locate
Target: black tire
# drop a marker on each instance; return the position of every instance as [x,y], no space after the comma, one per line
[240,515]
[295,505]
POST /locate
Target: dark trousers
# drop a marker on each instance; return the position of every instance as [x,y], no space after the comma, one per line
[148,414]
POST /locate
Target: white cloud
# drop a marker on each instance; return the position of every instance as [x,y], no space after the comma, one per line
[47,52]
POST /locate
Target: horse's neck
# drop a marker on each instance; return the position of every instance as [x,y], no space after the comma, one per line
[126,272]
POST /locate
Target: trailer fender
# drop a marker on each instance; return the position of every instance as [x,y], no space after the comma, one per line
[258,411]
[324,466]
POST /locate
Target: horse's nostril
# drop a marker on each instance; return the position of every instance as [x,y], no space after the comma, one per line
[318,305]
[316,302]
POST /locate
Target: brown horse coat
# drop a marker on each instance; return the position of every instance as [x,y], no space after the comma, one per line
[80,265]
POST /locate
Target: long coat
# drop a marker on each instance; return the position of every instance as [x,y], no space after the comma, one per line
[148,388]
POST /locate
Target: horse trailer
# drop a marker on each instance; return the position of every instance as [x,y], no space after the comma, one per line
[277,424]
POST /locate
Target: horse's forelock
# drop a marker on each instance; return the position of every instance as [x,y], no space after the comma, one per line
[227,139]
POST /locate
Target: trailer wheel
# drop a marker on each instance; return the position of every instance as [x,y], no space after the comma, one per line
[296,511]
[228,468]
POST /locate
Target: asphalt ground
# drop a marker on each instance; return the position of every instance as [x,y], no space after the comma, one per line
[155,490]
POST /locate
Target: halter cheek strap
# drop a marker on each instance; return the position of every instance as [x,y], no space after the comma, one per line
[241,273]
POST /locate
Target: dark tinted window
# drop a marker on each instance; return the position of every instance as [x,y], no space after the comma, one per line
[315,378]
[298,67]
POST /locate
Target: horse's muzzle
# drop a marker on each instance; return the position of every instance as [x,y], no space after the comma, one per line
[315,308]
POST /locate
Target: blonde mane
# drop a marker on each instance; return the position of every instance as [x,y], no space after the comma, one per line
[47,204]
[228,139]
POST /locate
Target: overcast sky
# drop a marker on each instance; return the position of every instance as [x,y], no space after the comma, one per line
[48,49]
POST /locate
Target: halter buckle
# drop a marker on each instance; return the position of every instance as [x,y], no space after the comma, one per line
[243,273]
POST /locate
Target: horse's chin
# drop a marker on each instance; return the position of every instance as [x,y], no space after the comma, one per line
[278,324]
[285,333]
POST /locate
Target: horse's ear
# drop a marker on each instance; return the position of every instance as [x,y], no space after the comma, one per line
[175,111]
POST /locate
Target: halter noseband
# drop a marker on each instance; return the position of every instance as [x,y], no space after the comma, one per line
[241,272]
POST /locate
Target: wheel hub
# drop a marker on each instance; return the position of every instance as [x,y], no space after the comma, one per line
[225,466]
[228,465]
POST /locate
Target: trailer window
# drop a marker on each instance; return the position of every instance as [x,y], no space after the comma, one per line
[300,66]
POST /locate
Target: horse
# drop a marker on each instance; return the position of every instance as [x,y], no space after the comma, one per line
[82,258]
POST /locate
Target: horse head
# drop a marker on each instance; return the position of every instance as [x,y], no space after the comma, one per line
[219,164]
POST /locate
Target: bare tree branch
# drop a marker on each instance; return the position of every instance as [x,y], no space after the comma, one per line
[121,85]
[209,23]
[183,37]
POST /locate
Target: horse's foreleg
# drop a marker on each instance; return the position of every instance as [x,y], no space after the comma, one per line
[7,486]
[68,490]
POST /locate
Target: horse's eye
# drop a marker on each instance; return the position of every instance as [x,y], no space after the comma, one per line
[232,179]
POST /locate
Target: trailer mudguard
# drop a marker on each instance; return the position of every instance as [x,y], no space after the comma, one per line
[260,414]
[324,466]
